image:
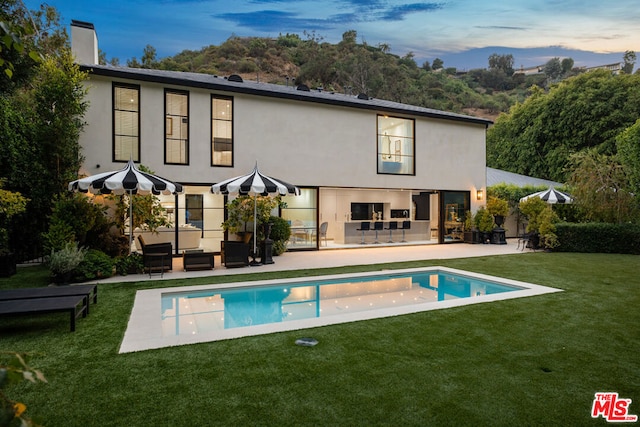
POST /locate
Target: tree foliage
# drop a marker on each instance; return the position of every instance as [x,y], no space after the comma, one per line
[40,122]
[538,136]
[600,187]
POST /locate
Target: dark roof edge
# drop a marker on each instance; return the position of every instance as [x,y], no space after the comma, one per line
[82,24]
[292,95]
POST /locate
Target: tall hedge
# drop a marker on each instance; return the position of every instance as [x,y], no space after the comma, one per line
[598,237]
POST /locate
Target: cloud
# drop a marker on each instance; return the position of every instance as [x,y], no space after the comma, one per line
[355,11]
[398,13]
[274,20]
[499,27]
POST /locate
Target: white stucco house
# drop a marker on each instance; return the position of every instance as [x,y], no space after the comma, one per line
[354,158]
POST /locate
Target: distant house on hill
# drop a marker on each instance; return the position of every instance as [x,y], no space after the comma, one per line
[529,71]
[615,68]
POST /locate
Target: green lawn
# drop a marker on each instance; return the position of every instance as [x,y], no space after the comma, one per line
[533,361]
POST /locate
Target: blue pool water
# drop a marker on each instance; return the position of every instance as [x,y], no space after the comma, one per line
[216,310]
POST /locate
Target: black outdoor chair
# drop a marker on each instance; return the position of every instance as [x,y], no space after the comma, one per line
[524,238]
[151,255]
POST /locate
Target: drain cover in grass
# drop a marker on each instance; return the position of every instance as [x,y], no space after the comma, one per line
[306,342]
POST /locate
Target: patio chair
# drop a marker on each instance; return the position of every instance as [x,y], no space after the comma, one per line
[524,237]
[151,256]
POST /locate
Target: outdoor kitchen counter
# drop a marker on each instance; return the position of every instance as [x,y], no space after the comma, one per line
[419,231]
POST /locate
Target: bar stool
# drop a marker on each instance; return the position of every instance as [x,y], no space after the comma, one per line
[377,226]
[393,225]
[406,225]
[364,226]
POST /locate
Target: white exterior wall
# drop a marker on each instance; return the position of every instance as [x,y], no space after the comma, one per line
[304,143]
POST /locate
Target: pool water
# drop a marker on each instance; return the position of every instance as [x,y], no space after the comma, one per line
[197,312]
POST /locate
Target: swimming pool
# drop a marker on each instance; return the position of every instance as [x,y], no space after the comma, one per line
[176,316]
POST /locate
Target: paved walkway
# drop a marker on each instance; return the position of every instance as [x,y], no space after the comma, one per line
[336,258]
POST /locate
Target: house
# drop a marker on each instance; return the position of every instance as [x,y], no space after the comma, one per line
[354,158]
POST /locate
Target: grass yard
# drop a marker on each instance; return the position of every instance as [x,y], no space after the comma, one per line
[534,361]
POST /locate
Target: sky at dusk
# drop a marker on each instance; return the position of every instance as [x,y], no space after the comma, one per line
[462,33]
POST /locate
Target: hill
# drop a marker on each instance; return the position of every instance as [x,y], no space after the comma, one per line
[350,67]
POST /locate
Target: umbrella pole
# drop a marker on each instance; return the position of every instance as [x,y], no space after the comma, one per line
[130,221]
[255,230]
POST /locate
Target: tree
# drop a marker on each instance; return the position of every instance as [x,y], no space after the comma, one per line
[437,64]
[601,188]
[629,61]
[628,144]
[40,122]
[501,62]
[553,68]
[567,65]
[538,136]
[149,57]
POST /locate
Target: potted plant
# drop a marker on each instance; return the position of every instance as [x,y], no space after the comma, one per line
[471,234]
[499,208]
[484,223]
[11,204]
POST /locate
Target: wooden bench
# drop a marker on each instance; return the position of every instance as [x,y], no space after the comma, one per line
[89,291]
[74,305]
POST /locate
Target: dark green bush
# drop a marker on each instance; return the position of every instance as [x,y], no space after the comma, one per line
[129,264]
[95,265]
[598,238]
[280,233]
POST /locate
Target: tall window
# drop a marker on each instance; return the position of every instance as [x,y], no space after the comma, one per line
[396,146]
[176,131]
[126,122]
[221,131]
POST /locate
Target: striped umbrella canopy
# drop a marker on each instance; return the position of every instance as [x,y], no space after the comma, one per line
[551,196]
[254,184]
[128,180]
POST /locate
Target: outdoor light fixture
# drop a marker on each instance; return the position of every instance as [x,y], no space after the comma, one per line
[479,194]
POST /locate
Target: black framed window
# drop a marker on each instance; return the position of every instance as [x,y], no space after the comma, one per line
[396,145]
[176,127]
[126,122]
[221,131]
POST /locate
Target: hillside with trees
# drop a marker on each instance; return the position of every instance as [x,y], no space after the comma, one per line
[352,67]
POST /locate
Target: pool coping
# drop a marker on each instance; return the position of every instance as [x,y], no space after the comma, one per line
[144,327]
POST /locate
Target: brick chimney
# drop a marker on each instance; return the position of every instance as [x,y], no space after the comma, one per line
[84,42]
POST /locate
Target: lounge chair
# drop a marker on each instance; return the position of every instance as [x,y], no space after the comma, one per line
[88,291]
[74,305]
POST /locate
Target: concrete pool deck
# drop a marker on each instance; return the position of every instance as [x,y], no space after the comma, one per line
[326,258]
[144,330]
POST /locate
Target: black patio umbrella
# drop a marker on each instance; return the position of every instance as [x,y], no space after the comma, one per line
[254,184]
[128,180]
[551,196]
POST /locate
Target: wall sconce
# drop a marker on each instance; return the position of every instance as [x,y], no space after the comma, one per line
[479,194]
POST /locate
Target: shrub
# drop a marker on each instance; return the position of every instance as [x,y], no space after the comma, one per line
[280,234]
[129,264]
[598,238]
[484,220]
[62,263]
[497,206]
[95,265]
